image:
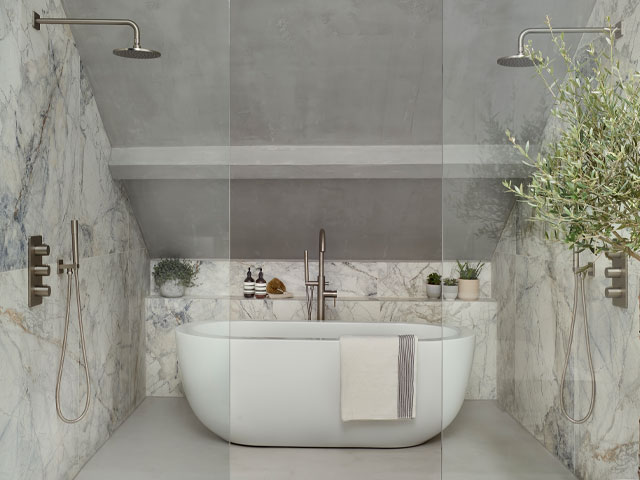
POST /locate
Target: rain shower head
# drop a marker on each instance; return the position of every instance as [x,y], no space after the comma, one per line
[136,52]
[518,60]
[132,52]
[521,60]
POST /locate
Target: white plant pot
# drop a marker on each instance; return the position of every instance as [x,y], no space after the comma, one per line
[433,291]
[449,292]
[172,289]
[468,289]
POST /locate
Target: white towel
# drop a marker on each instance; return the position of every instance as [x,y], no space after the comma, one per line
[377,377]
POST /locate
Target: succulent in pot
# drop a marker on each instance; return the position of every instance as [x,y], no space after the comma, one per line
[173,275]
[450,288]
[434,285]
[468,283]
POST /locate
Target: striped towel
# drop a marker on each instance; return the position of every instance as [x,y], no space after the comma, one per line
[378,377]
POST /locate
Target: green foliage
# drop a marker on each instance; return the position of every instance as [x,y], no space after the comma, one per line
[434,278]
[585,186]
[175,269]
[450,282]
[467,272]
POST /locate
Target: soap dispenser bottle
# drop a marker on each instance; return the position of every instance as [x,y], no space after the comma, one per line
[261,286]
[249,287]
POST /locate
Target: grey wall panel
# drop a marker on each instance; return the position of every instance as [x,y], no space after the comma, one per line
[372,219]
[182,218]
[364,219]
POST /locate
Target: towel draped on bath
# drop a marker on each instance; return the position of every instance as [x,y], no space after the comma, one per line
[377,377]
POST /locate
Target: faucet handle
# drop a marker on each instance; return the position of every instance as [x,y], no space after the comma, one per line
[331,294]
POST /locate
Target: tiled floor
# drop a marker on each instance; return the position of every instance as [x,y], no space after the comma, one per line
[163,440]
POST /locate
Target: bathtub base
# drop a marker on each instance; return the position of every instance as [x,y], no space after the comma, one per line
[285,392]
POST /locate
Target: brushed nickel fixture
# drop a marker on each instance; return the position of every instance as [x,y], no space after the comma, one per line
[37,270]
[71,269]
[521,60]
[619,277]
[320,283]
[131,52]
[579,272]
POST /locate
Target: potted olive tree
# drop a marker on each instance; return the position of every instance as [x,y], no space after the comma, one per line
[468,283]
[434,287]
[172,276]
[584,182]
[450,288]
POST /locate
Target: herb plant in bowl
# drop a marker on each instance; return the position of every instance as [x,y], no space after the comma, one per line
[468,284]
[434,287]
[449,288]
[173,275]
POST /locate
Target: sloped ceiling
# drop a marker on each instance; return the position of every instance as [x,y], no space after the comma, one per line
[335,72]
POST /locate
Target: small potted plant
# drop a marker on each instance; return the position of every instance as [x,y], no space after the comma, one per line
[468,283]
[434,287]
[173,275]
[450,288]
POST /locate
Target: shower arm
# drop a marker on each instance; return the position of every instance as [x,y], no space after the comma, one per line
[37,21]
[617,28]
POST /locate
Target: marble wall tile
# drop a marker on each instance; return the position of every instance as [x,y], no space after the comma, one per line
[109,345]
[136,287]
[532,349]
[406,279]
[39,101]
[34,443]
[606,446]
[412,312]
[163,315]
[53,158]
[479,317]
[503,266]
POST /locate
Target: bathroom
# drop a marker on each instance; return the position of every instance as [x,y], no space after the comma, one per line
[357,153]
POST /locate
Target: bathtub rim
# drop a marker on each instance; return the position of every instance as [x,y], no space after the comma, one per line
[191,329]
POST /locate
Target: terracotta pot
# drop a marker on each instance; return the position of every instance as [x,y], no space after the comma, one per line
[433,291]
[468,289]
[449,292]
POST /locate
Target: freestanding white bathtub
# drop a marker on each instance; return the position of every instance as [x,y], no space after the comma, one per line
[278,383]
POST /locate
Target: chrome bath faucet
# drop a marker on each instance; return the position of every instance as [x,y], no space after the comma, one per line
[320,283]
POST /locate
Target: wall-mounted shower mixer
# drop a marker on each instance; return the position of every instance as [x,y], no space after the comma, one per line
[617,272]
[37,271]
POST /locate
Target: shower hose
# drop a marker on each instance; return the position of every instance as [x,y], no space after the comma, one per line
[579,285]
[71,274]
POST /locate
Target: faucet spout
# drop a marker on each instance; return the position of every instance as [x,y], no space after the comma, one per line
[320,283]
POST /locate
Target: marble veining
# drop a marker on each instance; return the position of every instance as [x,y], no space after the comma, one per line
[533,331]
[352,279]
[54,161]
[533,288]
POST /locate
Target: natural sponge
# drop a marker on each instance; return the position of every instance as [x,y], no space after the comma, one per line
[275,286]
